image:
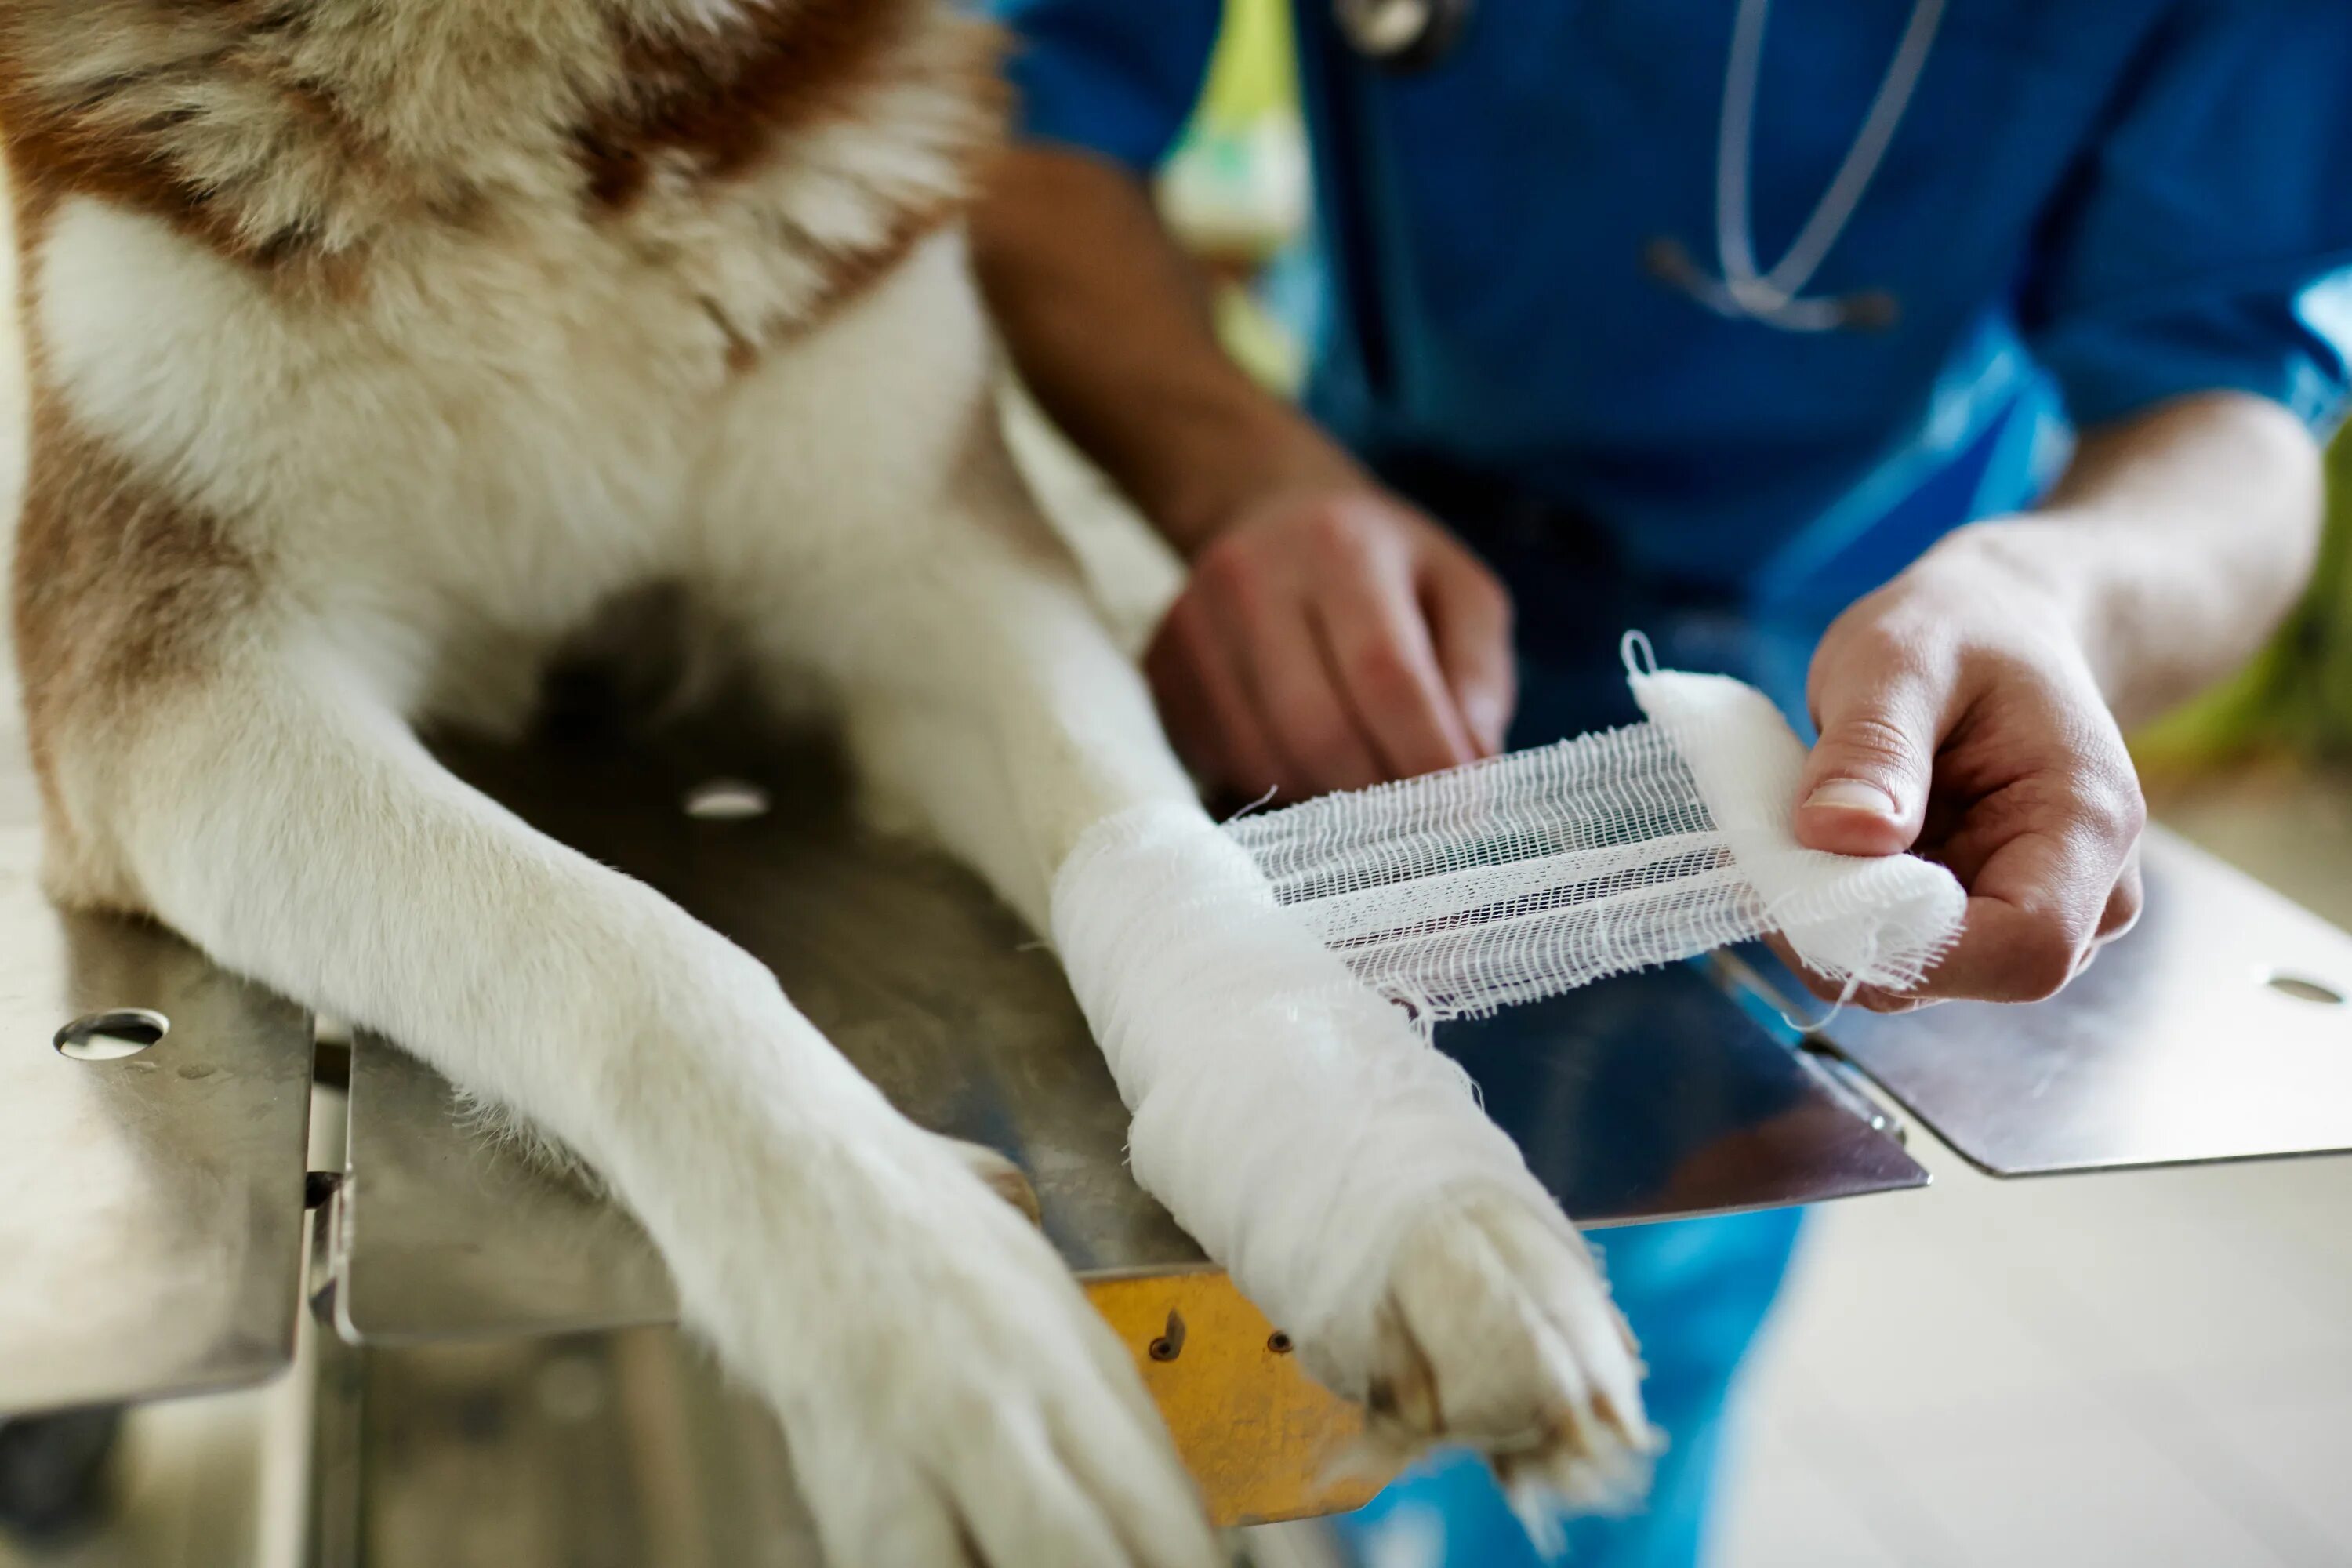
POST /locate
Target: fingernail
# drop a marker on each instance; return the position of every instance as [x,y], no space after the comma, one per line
[1488,719]
[1851,795]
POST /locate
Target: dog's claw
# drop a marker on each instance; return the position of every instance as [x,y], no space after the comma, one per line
[1497,1332]
[1004,1178]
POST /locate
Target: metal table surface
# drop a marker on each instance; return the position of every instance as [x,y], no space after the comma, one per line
[155,1227]
[2218,1028]
[1643,1098]
[934,990]
[151,1241]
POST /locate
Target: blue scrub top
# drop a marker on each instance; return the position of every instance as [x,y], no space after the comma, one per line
[2091,205]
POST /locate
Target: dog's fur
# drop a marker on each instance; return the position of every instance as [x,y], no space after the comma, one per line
[374,345]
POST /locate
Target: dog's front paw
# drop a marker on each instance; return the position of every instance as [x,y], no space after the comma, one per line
[1496,1331]
[949,1397]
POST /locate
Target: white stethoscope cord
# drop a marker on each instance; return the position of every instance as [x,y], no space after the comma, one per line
[1775,296]
[1408,35]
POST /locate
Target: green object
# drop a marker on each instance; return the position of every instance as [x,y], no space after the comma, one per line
[1234,187]
[1236,180]
[2295,697]
[1254,71]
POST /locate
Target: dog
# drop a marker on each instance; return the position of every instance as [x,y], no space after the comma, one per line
[374,349]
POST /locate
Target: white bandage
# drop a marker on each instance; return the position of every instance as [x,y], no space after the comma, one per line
[1239,981]
[1292,1120]
[1528,874]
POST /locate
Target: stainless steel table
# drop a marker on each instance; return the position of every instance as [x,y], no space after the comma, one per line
[2218,1028]
[151,1237]
[1645,1097]
[162,1253]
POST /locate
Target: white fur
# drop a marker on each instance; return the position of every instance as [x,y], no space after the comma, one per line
[447,475]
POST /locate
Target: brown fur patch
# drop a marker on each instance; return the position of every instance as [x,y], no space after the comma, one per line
[726,102]
[725,98]
[92,142]
[120,592]
[300,136]
[853,275]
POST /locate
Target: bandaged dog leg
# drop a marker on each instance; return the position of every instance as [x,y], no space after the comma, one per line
[1293,1121]
[1301,1128]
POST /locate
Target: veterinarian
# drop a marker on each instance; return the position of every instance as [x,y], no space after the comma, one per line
[1953,370]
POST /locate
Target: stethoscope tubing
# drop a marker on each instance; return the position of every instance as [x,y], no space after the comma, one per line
[1407,36]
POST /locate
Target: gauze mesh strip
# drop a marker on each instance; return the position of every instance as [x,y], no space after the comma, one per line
[1532,873]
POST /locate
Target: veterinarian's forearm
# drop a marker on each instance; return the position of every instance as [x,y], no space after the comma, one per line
[2171,548]
[1110,323]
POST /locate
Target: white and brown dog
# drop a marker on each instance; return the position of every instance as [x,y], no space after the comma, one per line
[373,346]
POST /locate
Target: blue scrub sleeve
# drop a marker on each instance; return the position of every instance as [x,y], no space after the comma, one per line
[1117,78]
[2205,242]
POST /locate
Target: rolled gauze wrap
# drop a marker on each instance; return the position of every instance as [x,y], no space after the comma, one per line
[1532,873]
[1859,919]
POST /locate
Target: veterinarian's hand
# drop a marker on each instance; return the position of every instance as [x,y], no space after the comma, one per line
[1959,717]
[1329,639]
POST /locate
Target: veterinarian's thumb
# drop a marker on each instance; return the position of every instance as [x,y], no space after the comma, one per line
[1865,787]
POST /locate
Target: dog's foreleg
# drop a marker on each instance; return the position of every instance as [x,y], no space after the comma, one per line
[939,1378]
[999,712]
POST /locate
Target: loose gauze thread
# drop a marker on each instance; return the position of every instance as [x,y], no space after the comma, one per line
[1529,873]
